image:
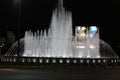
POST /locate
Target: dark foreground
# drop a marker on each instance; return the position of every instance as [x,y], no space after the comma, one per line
[59,74]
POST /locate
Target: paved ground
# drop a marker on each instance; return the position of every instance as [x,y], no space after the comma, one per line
[60,74]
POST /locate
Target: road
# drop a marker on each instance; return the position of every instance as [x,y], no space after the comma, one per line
[60,74]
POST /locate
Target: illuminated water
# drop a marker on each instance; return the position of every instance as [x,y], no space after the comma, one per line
[59,41]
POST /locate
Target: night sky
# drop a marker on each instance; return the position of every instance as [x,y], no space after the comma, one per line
[36,14]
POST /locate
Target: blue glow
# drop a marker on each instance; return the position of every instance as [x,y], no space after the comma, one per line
[93,30]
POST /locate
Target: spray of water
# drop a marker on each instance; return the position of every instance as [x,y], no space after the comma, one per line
[58,41]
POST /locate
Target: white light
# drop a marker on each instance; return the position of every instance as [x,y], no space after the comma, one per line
[40,60]
[99,61]
[74,61]
[61,61]
[93,61]
[104,61]
[80,46]
[47,61]
[68,61]
[14,60]
[81,61]
[87,61]
[54,61]
[78,27]
[98,56]
[34,60]
[1,46]
[15,55]
[112,61]
[23,60]
[88,56]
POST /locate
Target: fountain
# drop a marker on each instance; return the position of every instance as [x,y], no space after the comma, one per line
[58,41]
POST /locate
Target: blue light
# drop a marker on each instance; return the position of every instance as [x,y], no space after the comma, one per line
[93,30]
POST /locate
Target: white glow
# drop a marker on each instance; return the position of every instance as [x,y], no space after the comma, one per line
[1,46]
[93,61]
[14,60]
[78,27]
[83,28]
[99,61]
[75,61]
[40,60]
[112,61]
[58,40]
[80,46]
[81,61]
[23,60]
[104,61]
[88,56]
[87,61]
[98,56]
[82,34]
[54,61]
[34,60]
[61,61]
[47,61]
[68,61]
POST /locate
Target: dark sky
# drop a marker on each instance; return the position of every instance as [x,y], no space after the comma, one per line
[37,13]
